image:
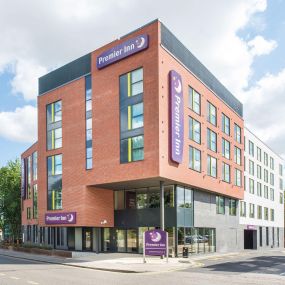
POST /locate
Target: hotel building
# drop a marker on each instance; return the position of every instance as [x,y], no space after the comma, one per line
[262,210]
[135,135]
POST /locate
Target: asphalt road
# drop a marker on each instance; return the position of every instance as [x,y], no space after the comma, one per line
[241,269]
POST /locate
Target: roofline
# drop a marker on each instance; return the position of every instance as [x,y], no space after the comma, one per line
[29,148]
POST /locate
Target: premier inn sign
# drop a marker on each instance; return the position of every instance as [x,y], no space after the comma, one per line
[122,51]
[176,116]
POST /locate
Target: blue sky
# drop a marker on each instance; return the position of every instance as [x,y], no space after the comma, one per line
[242,42]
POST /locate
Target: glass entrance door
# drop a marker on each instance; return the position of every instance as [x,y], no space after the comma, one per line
[87,239]
[132,240]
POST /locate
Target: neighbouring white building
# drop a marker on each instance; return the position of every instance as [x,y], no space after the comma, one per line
[262,210]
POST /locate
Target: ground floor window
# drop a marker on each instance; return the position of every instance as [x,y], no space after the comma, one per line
[198,240]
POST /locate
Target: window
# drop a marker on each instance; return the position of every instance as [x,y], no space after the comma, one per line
[258,150]
[251,186]
[237,133]
[259,190]
[266,213]
[281,198]
[194,99]
[259,172]
[272,163]
[226,148]
[226,173]
[280,169]
[251,167]
[212,140]
[265,192]
[225,124]
[220,205]
[194,130]
[251,148]
[272,215]
[54,166]
[29,216]
[212,166]
[271,194]
[232,207]
[266,175]
[88,116]
[237,155]
[242,209]
[238,177]
[132,149]
[259,212]
[29,175]
[272,179]
[280,183]
[35,165]
[194,159]
[35,201]
[212,114]
[265,159]
[251,210]
[131,116]
[54,125]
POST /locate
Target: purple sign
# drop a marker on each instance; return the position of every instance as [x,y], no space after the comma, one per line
[60,218]
[176,116]
[251,227]
[155,242]
[123,50]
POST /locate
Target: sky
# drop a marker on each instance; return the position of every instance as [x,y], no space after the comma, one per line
[241,42]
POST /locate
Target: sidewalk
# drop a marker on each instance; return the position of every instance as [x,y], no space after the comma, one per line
[127,263]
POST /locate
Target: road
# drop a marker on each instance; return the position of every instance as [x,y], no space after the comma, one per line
[241,269]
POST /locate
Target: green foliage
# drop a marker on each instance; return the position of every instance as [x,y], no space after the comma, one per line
[10,198]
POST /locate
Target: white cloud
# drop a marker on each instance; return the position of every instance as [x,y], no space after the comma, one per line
[20,125]
[260,46]
[264,109]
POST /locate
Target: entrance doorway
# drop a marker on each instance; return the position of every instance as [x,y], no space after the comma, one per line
[87,239]
[250,239]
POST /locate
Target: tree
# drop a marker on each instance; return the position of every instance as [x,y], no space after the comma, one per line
[10,200]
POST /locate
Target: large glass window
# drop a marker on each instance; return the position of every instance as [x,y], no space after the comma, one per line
[225,124]
[266,213]
[280,169]
[29,175]
[272,163]
[194,101]
[35,165]
[211,114]
[35,201]
[54,164]
[265,192]
[88,114]
[251,167]
[212,166]
[220,205]
[226,148]
[237,155]
[194,159]
[265,175]
[132,116]
[132,149]
[237,133]
[259,189]
[251,210]
[258,150]
[259,172]
[54,127]
[242,209]
[251,148]
[251,186]
[272,179]
[194,130]
[232,207]
[212,140]
[238,177]
[226,172]
[265,159]
[259,212]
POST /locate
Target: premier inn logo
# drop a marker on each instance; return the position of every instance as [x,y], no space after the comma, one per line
[122,51]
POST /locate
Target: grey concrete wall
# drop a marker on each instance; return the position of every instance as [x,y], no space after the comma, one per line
[229,235]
